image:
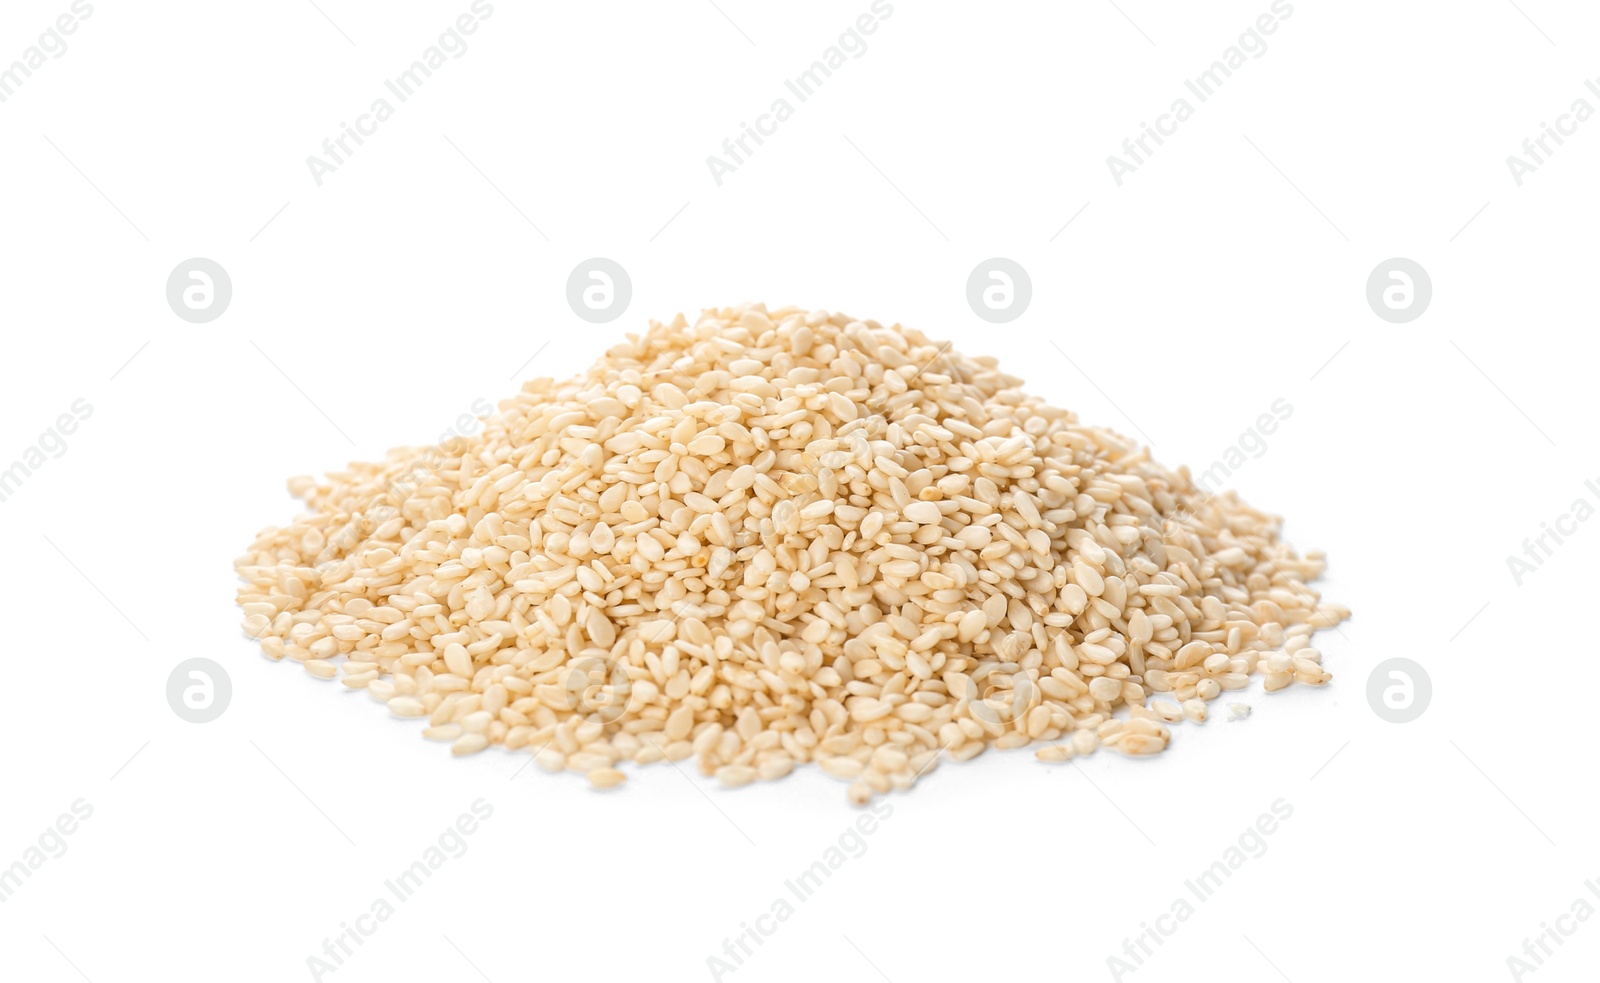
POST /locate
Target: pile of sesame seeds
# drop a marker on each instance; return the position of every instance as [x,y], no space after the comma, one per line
[773,537]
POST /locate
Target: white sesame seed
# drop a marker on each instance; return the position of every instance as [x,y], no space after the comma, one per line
[606,777]
[469,744]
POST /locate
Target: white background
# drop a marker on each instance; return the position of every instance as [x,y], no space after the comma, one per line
[370,312]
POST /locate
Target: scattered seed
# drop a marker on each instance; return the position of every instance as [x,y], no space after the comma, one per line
[606,777]
[406,706]
[469,744]
[735,775]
